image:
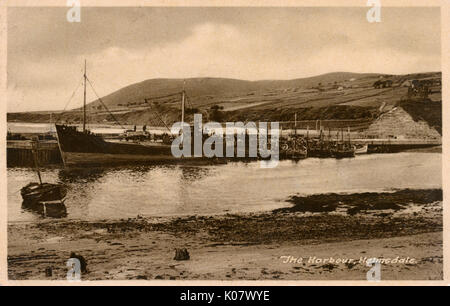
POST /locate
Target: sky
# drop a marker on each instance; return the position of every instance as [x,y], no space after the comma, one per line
[123,46]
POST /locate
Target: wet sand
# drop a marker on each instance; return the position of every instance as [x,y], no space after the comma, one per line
[291,244]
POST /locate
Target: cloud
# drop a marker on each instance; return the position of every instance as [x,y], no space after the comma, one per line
[235,43]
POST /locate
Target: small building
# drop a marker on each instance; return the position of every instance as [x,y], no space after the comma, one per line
[406,83]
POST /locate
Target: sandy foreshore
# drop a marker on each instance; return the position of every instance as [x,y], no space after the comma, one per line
[403,229]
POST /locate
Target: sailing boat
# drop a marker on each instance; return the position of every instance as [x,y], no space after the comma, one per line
[342,149]
[83,148]
[319,148]
[44,198]
[42,192]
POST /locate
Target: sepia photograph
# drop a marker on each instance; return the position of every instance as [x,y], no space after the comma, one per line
[223,143]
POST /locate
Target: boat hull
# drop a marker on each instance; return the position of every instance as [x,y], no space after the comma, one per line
[362,150]
[86,149]
[35,192]
[343,154]
[319,153]
[73,159]
[83,149]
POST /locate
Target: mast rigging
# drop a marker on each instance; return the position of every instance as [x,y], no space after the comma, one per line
[84,100]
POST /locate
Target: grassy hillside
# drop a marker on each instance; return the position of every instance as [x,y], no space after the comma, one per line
[203,90]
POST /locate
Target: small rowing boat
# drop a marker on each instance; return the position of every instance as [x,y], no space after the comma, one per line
[361,149]
[44,192]
[44,198]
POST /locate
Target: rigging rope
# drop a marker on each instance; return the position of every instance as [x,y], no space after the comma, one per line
[101,101]
[160,118]
[68,102]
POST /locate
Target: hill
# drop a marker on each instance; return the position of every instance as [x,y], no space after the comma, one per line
[339,95]
[203,90]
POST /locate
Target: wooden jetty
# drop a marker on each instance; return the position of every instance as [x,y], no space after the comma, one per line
[20,153]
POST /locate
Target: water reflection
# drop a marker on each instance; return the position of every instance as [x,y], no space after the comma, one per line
[117,193]
[191,174]
[78,175]
[46,210]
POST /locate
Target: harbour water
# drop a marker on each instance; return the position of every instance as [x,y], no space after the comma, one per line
[177,190]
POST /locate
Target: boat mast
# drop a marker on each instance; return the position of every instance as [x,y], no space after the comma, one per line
[348,131]
[295,123]
[182,112]
[35,145]
[182,105]
[183,97]
[84,100]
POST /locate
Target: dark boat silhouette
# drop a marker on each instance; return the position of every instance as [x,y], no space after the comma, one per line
[294,147]
[343,149]
[80,148]
[45,192]
[343,152]
[319,148]
[52,209]
[44,198]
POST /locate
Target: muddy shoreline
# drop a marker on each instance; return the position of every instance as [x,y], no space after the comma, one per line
[405,223]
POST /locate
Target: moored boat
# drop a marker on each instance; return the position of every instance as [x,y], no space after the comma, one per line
[293,148]
[44,198]
[35,192]
[319,150]
[343,149]
[320,147]
[361,149]
[80,148]
[84,148]
[343,152]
